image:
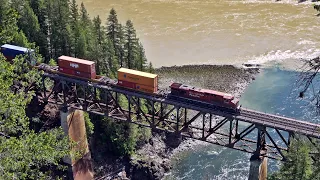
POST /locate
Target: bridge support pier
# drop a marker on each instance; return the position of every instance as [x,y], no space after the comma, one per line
[258,167]
[73,125]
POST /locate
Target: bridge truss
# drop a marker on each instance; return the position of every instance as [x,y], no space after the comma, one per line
[246,131]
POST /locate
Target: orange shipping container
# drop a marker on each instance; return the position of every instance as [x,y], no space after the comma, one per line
[138,77]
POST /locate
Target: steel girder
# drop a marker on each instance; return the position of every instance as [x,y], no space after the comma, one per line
[166,115]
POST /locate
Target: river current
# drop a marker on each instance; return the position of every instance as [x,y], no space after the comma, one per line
[179,32]
[274,91]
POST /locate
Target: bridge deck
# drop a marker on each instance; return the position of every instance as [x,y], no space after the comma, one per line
[171,114]
[247,115]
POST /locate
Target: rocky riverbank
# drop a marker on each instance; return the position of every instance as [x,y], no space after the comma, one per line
[152,160]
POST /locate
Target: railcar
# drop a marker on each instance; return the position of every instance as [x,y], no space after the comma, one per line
[138,80]
[11,51]
[129,79]
[204,95]
[77,67]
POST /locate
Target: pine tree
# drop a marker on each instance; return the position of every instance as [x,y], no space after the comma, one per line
[113,27]
[41,11]
[113,32]
[110,61]
[98,41]
[98,29]
[150,68]
[298,164]
[28,21]
[130,45]
[86,34]
[75,29]
[61,35]
[121,54]
[48,29]
[81,47]
[8,22]
[84,16]
[141,58]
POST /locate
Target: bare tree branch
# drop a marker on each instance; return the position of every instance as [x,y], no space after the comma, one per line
[310,70]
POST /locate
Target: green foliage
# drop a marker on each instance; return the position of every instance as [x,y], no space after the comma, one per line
[12,105]
[61,28]
[144,134]
[113,28]
[52,62]
[55,28]
[26,154]
[24,157]
[8,22]
[130,45]
[89,124]
[141,62]
[28,21]
[150,68]
[119,137]
[298,165]
[20,39]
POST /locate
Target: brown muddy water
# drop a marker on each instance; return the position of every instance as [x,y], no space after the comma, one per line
[180,32]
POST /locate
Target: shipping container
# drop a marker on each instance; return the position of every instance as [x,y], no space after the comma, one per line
[85,75]
[127,84]
[138,87]
[11,51]
[206,95]
[66,71]
[76,64]
[9,58]
[77,73]
[138,77]
[146,88]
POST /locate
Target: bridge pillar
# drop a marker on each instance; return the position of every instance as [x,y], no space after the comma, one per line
[258,167]
[73,125]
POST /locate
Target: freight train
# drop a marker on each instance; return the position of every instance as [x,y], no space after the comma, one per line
[132,79]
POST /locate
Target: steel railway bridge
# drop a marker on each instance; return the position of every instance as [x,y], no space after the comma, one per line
[250,131]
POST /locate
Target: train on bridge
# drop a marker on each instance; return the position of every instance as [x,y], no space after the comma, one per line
[129,79]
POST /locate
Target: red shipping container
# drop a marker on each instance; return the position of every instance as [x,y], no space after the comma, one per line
[85,75]
[139,87]
[77,64]
[76,73]
[146,88]
[66,71]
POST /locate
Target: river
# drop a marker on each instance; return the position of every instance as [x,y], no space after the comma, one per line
[274,91]
[178,32]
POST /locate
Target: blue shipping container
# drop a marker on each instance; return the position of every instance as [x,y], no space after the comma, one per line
[11,51]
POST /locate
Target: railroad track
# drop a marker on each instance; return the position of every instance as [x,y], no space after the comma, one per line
[282,122]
